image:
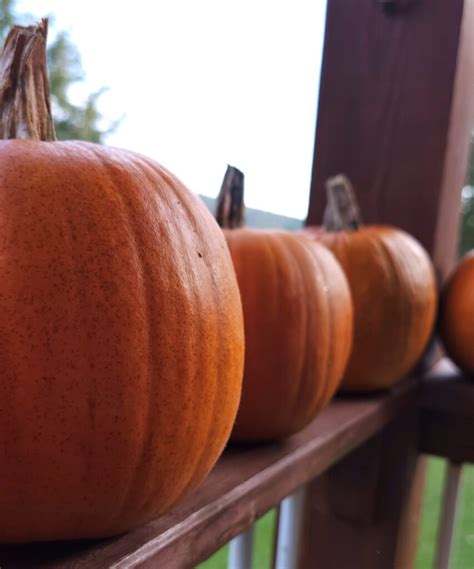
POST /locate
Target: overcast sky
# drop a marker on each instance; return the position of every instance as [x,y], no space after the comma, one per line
[203,83]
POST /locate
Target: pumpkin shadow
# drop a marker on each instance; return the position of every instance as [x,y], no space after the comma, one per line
[361,395]
[248,447]
[46,553]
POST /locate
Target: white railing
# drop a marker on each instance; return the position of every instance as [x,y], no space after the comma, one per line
[448,515]
[290,521]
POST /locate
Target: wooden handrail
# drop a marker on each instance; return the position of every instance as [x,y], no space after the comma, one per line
[247,482]
[250,480]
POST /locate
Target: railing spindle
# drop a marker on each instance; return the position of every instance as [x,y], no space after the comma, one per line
[289,530]
[241,549]
[448,515]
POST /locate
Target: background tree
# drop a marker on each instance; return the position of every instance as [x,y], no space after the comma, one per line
[72,121]
[85,122]
[466,241]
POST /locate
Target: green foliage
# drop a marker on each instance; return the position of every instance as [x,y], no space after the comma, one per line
[470,171]
[463,544]
[72,121]
[6,16]
[466,242]
[431,510]
[466,238]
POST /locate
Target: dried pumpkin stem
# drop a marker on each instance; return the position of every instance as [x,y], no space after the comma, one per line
[25,104]
[230,201]
[342,211]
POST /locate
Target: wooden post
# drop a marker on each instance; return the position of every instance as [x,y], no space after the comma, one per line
[395,113]
[355,507]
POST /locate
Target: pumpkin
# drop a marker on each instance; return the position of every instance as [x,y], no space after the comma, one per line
[121,338]
[457,314]
[393,288]
[297,320]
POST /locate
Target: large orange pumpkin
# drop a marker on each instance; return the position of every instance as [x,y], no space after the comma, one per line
[457,314]
[121,338]
[297,319]
[393,288]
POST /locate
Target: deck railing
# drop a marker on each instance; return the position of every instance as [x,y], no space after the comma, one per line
[250,480]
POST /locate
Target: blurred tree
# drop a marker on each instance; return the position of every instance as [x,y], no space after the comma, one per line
[470,172]
[72,121]
[6,16]
[466,241]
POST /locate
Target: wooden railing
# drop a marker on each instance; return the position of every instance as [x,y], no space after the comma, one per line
[446,429]
[250,480]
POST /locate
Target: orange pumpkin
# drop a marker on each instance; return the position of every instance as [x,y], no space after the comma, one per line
[297,319]
[393,288]
[457,315]
[121,344]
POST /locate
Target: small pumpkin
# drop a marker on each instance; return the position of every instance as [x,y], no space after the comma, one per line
[457,314]
[297,320]
[121,337]
[393,288]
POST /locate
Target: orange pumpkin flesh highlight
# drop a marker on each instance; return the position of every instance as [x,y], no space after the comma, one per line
[393,289]
[298,327]
[457,315]
[121,346]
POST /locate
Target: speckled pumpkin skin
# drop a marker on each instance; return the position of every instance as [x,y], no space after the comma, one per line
[121,341]
[457,315]
[393,288]
[298,330]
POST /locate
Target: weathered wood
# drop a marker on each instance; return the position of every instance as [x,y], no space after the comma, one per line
[447,414]
[247,482]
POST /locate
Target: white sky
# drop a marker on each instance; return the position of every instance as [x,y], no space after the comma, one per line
[204,83]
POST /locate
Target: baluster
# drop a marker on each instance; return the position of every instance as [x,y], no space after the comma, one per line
[289,530]
[241,549]
[448,515]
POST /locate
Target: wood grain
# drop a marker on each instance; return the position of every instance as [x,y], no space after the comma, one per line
[247,482]
[354,512]
[395,112]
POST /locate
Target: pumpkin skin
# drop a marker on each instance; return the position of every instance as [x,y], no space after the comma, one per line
[457,315]
[121,344]
[393,288]
[298,330]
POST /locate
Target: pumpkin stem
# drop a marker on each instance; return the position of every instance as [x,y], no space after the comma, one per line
[230,201]
[25,105]
[342,211]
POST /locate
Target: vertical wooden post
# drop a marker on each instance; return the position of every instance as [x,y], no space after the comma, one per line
[354,509]
[395,112]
